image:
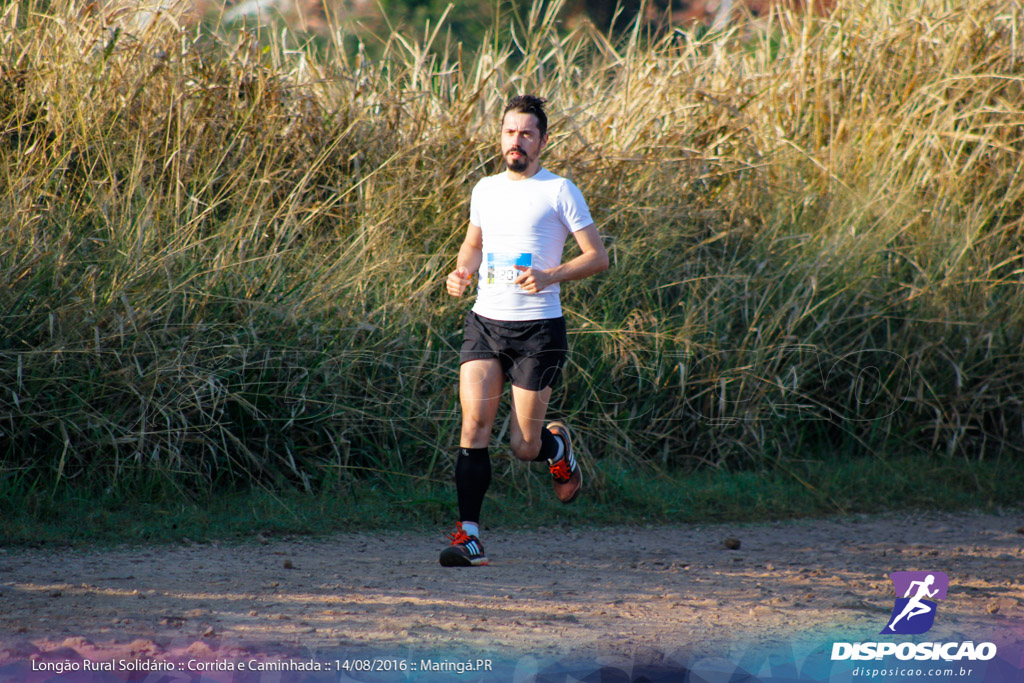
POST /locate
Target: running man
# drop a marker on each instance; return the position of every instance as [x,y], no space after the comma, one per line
[914,606]
[518,223]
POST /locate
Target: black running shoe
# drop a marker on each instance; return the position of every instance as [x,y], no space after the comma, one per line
[565,474]
[465,550]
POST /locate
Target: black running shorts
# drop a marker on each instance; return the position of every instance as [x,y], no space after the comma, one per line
[531,352]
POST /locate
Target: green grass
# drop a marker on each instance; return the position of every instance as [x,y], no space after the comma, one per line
[619,496]
[222,256]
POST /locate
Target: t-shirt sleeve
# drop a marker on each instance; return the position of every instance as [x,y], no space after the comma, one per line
[474,206]
[572,207]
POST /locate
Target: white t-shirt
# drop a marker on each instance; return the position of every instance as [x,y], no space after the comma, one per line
[524,222]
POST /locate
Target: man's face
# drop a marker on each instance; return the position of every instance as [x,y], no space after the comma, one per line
[521,142]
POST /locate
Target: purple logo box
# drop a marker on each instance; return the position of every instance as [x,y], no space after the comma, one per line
[901,582]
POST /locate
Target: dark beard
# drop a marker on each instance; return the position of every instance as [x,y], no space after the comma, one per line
[517,165]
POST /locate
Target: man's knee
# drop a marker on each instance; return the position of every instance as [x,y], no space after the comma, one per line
[475,427]
[475,422]
[525,449]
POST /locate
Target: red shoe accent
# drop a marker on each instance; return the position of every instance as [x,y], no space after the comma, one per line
[459,536]
[560,470]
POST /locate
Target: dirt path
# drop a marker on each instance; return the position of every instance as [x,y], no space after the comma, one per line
[650,595]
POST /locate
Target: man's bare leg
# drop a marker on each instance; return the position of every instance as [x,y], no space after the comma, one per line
[531,440]
[527,423]
[480,385]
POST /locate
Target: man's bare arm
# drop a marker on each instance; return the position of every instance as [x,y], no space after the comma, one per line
[468,262]
[592,260]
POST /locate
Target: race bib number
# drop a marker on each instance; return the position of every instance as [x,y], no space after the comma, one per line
[501,268]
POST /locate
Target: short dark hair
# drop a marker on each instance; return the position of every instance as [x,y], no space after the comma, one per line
[529,104]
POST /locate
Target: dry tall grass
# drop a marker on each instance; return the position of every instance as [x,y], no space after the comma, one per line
[223,257]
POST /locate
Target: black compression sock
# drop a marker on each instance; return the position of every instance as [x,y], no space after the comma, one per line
[548,446]
[472,477]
